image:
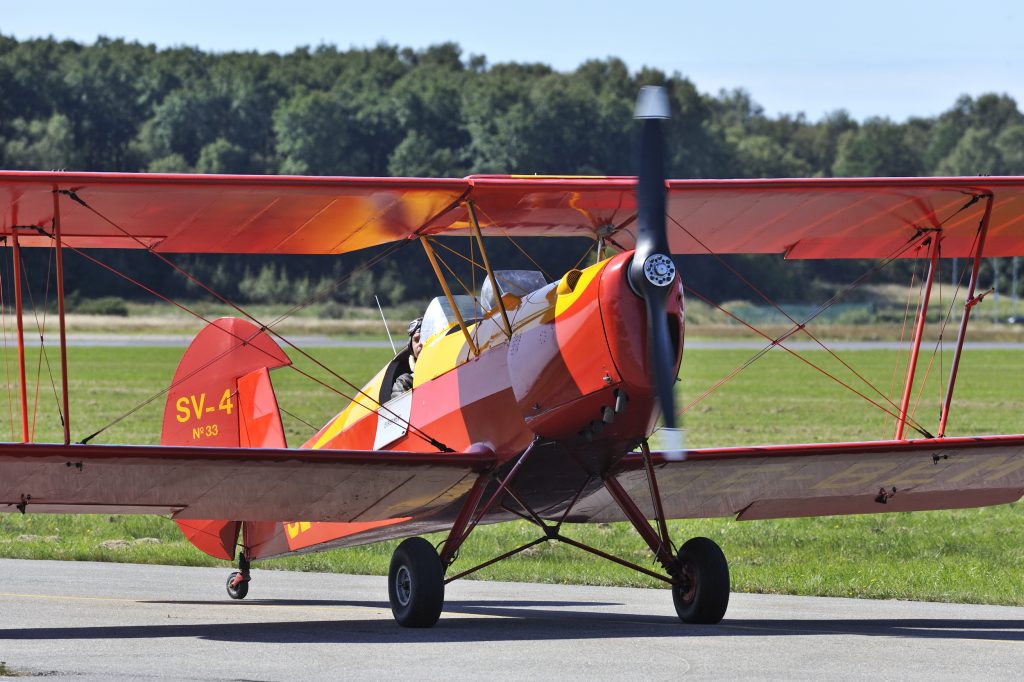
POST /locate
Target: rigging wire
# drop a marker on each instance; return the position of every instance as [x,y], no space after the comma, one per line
[903,329]
[188,275]
[414,430]
[590,249]
[43,355]
[772,344]
[523,251]
[919,236]
[944,323]
[821,309]
[242,341]
[802,325]
[297,418]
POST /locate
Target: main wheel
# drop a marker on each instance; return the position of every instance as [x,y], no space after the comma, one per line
[239,590]
[416,584]
[702,594]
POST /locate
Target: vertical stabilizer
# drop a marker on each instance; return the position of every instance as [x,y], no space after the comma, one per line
[222,396]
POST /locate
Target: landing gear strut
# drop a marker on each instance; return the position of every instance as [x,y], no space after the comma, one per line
[698,574]
[238,581]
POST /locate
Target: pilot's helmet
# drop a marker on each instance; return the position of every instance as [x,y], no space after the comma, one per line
[414,327]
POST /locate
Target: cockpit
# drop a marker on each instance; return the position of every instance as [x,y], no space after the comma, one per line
[440,320]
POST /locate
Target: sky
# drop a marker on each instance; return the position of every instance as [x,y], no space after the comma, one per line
[894,58]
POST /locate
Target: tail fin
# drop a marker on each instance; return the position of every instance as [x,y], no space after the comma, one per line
[221,396]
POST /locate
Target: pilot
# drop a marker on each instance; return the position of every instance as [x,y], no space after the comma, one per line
[404,381]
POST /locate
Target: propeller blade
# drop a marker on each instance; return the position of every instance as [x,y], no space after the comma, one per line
[652,271]
[662,361]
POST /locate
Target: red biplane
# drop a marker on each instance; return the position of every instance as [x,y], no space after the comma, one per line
[530,400]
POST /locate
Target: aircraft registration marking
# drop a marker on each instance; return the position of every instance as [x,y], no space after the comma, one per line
[191,407]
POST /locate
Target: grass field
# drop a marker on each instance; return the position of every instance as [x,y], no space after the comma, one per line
[965,555]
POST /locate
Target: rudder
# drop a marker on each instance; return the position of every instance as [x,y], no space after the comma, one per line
[222,396]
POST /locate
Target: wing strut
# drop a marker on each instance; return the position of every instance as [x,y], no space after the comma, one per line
[432,257]
[908,386]
[487,264]
[65,414]
[971,302]
[19,313]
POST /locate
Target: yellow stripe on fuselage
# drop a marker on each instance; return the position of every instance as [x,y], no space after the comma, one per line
[447,350]
[364,403]
[587,277]
[440,353]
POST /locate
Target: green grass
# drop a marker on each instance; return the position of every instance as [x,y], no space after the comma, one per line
[965,555]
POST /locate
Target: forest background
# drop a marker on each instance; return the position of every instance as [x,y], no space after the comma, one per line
[391,111]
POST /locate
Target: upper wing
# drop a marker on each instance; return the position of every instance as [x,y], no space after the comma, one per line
[233,483]
[221,213]
[779,481]
[802,218]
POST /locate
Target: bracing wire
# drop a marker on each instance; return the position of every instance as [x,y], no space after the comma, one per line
[416,431]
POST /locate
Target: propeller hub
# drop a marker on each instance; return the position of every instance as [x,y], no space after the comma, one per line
[659,269]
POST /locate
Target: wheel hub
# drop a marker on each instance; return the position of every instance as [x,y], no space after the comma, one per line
[686,585]
[403,586]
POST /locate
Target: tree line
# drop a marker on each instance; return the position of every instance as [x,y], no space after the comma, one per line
[387,110]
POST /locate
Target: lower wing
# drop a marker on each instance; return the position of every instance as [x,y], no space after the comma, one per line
[245,484]
[781,481]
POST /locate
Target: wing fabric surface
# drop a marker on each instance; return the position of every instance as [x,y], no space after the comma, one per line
[801,218]
[818,480]
[222,213]
[233,483]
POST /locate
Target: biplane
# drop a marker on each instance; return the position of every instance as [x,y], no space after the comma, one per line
[531,399]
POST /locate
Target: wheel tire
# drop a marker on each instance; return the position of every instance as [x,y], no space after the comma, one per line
[706,597]
[416,584]
[237,591]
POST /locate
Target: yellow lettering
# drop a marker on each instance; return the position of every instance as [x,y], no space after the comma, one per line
[225,401]
[993,467]
[1006,470]
[197,433]
[197,407]
[744,478]
[920,473]
[183,413]
[986,463]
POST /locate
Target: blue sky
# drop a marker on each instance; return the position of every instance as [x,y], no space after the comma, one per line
[871,57]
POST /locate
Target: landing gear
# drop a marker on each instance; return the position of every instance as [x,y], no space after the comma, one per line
[416,584]
[238,581]
[701,593]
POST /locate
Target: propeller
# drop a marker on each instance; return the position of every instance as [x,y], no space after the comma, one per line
[652,272]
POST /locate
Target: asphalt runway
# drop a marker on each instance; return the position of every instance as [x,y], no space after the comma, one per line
[92,621]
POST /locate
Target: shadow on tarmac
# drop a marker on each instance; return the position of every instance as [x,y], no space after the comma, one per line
[493,620]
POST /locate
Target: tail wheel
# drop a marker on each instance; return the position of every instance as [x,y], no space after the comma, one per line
[701,594]
[416,584]
[238,586]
